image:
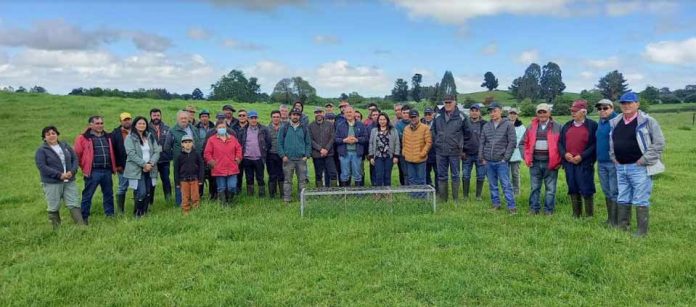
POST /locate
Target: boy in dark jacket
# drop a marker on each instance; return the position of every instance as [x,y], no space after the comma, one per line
[189,175]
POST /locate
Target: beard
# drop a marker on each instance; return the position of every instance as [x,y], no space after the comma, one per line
[156,121]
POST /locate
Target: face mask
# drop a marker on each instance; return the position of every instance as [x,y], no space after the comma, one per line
[221,131]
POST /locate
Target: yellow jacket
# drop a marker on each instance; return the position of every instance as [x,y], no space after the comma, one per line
[416,143]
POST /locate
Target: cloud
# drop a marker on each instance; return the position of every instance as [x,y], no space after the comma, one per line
[587,75]
[672,52]
[339,76]
[259,5]
[609,63]
[240,45]
[490,49]
[326,40]
[528,56]
[469,83]
[150,42]
[622,8]
[198,33]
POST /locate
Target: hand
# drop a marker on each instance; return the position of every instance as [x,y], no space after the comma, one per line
[484,162]
[640,162]
[577,159]
[372,161]
[569,157]
[147,168]
[70,174]
[324,152]
[63,176]
[285,159]
[211,163]
[238,161]
[463,156]
[615,162]
[304,158]
[119,170]
[395,160]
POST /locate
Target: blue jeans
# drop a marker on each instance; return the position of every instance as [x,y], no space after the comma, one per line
[383,171]
[163,171]
[468,165]
[540,173]
[634,185]
[351,164]
[445,164]
[500,171]
[101,178]
[142,194]
[226,183]
[607,179]
[416,176]
[122,184]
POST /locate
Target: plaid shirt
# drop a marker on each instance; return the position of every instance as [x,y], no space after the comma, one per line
[102,159]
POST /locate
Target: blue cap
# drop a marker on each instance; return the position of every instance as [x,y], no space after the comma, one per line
[629,97]
[494,105]
[253,113]
[475,106]
[413,113]
[428,111]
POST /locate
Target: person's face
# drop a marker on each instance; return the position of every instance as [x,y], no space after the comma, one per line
[141,125]
[512,116]
[428,116]
[275,118]
[156,117]
[192,115]
[187,145]
[205,118]
[295,117]
[51,137]
[283,113]
[358,116]
[450,105]
[126,123]
[414,120]
[372,108]
[349,114]
[242,117]
[297,105]
[605,110]
[329,109]
[319,116]
[97,125]
[374,115]
[496,113]
[629,108]
[342,107]
[228,114]
[404,114]
[543,115]
[253,121]
[577,115]
[475,113]
[382,121]
[183,119]
[397,111]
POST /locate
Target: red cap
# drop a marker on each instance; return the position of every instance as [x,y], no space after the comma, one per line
[579,105]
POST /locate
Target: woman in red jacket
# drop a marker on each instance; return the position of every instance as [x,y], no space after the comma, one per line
[223,154]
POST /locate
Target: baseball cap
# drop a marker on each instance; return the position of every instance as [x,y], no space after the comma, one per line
[186,137]
[475,106]
[228,107]
[296,111]
[413,113]
[514,110]
[125,115]
[220,115]
[318,110]
[428,111]
[328,105]
[605,102]
[253,113]
[449,98]
[578,105]
[629,97]
[494,105]
[543,107]
[204,112]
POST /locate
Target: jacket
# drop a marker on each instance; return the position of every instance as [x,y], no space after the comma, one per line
[190,165]
[294,143]
[432,154]
[497,144]
[649,137]
[473,138]
[416,143]
[49,164]
[589,155]
[322,138]
[164,140]
[449,134]
[119,148]
[264,139]
[225,154]
[529,141]
[203,130]
[394,143]
[135,162]
[603,131]
[360,132]
[84,149]
[177,133]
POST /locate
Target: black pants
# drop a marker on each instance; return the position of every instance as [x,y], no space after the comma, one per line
[212,185]
[325,170]
[275,168]
[431,167]
[253,169]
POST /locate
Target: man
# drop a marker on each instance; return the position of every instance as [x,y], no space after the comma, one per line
[95,153]
[371,120]
[164,139]
[118,139]
[578,154]
[471,147]
[449,131]
[417,141]
[300,105]
[284,113]
[351,137]
[328,108]
[204,125]
[239,130]
[182,127]
[605,166]
[294,146]
[403,120]
[496,145]
[323,134]
[342,105]
[539,148]
[229,115]
[255,140]
[431,164]
[274,162]
[397,112]
[192,114]
[636,145]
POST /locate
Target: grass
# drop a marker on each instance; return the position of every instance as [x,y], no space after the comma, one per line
[261,253]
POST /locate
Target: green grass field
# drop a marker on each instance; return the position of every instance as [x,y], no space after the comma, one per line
[261,253]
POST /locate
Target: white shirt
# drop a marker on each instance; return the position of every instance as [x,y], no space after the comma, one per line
[59,151]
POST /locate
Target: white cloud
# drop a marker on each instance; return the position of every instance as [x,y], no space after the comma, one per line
[622,8]
[528,56]
[326,40]
[339,76]
[150,42]
[587,75]
[198,33]
[618,8]
[672,52]
[608,63]
[490,49]
[240,45]
[469,83]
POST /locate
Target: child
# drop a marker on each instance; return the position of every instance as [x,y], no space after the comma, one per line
[189,178]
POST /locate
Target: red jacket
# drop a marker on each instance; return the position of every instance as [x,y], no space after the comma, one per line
[552,138]
[225,154]
[84,150]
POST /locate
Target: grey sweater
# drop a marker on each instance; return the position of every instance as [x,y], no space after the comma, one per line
[322,137]
[497,144]
[394,143]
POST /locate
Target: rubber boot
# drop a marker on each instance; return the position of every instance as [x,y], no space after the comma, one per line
[222,198]
[280,187]
[343,184]
[643,219]
[121,203]
[272,189]
[230,198]
[442,191]
[610,212]
[479,189]
[333,183]
[465,188]
[54,217]
[614,214]
[262,191]
[319,184]
[77,216]
[360,183]
[250,190]
[576,203]
[589,205]
[624,216]
[455,190]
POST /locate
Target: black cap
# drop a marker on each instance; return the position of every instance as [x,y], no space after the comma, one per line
[413,113]
[295,111]
[428,111]
[475,106]
[494,105]
[228,107]
[450,98]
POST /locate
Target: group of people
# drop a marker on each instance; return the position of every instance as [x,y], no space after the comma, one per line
[432,150]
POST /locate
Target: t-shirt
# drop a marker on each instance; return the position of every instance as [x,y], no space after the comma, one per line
[577,138]
[146,150]
[61,155]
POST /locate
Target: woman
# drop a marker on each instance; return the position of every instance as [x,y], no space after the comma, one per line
[141,163]
[57,164]
[513,116]
[223,154]
[383,150]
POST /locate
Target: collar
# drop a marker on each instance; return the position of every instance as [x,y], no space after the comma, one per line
[629,120]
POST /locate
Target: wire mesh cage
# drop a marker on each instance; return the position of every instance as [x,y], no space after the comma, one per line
[412,197]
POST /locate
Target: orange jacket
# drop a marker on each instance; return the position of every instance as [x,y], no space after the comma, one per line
[416,143]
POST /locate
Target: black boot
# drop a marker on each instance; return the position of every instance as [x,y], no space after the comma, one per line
[250,190]
[465,188]
[121,203]
[230,199]
[54,217]
[262,191]
[614,214]
[442,191]
[77,216]
[479,189]
[643,219]
[272,189]
[589,205]
[319,184]
[455,190]
[610,217]
[624,216]
[343,184]
[359,183]
[333,183]
[576,203]
[222,197]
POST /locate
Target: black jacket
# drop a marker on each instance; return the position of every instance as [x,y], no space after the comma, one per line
[189,166]
[449,134]
[264,139]
[471,140]
[49,165]
[589,155]
[119,147]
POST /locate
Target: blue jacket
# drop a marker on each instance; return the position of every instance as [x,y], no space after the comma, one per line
[603,130]
[360,132]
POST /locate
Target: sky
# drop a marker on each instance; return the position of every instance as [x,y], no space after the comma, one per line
[342,46]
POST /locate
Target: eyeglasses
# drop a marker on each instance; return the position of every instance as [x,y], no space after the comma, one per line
[603,108]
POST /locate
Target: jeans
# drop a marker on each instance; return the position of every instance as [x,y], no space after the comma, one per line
[500,171]
[445,164]
[607,179]
[101,178]
[468,166]
[253,169]
[635,186]
[226,183]
[324,170]
[296,166]
[416,176]
[122,184]
[163,170]
[403,172]
[142,194]
[540,173]
[383,171]
[580,178]
[515,176]
[351,165]
[431,167]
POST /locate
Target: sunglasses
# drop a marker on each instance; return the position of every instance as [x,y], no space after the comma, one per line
[603,108]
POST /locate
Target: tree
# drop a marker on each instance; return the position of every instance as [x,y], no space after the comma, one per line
[416,87]
[435,97]
[21,89]
[551,82]
[400,90]
[288,90]
[304,91]
[282,92]
[612,85]
[354,98]
[592,96]
[489,81]
[235,86]
[527,86]
[650,94]
[447,86]
[37,89]
[197,94]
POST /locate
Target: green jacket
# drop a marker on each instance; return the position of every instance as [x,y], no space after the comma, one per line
[135,162]
[294,143]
